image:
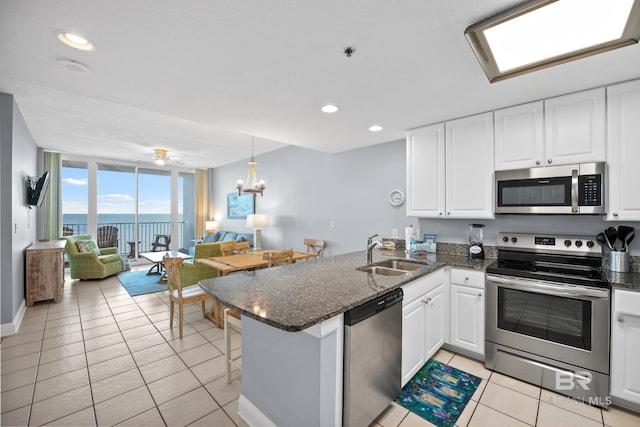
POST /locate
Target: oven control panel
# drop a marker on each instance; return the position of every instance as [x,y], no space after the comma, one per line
[584,245]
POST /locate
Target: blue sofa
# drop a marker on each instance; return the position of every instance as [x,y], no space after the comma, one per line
[221,236]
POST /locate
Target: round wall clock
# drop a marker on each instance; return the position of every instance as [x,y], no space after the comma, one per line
[396,198]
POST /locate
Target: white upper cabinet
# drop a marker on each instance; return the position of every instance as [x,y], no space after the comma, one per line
[469,167]
[564,130]
[575,128]
[519,136]
[425,171]
[623,151]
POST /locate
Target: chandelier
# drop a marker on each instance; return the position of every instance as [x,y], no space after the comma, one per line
[251,185]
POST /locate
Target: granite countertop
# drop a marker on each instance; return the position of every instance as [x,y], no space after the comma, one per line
[298,296]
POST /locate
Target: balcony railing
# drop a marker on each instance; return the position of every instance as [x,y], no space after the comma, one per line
[126,234]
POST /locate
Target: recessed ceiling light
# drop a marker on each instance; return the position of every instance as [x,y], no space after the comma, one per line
[542,33]
[74,66]
[75,40]
[375,128]
[329,108]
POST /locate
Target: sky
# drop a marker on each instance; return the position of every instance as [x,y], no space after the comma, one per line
[116,192]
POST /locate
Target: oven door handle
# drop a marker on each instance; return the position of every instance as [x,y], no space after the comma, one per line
[549,289]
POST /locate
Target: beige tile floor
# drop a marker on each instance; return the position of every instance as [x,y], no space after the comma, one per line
[101,357]
[503,401]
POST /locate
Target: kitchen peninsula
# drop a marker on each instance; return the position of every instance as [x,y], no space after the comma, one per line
[292,331]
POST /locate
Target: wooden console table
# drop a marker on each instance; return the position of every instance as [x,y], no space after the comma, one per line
[45,271]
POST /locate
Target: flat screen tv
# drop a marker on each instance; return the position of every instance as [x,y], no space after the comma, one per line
[37,188]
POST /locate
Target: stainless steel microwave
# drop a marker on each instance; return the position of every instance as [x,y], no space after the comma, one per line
[567,189]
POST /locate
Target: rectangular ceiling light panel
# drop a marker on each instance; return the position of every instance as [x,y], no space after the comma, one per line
[543,33]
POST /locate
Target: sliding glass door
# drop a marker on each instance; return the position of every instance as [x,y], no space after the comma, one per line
[116,206]
[129,207]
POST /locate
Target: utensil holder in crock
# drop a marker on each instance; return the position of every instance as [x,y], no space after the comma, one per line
[619,261]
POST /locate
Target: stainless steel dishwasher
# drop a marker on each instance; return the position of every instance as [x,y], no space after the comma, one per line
[372,358]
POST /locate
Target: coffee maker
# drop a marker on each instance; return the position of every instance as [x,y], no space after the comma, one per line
[474,234]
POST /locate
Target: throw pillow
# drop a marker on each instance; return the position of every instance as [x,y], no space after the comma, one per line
[87,246]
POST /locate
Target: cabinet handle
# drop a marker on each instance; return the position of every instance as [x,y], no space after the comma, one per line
[466,279]
[615,214]
[448,213]
[440,213]
[479,294]
[538,162]
[549,161]
[620,319]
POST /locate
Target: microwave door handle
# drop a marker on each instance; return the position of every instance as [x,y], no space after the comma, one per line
[574,191]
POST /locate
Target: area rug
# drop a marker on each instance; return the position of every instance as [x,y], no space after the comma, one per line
[438,393]
[139,283]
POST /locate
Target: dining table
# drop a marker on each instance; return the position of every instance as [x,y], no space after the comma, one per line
[251,260]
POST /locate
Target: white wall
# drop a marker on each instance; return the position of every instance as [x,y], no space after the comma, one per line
[306,190]
[19,161]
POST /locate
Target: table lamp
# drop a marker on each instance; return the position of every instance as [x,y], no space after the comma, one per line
[257,221]
[211,226]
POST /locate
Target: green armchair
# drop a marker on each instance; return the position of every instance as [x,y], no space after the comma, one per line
[94,262]
[193,271]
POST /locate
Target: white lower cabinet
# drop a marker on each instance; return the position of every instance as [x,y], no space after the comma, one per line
[466,321]
[423,321]
[625,346]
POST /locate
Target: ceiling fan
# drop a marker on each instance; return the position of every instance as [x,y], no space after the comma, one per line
[162,158]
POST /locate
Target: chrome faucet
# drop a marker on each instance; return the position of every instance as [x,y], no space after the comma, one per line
[370,245]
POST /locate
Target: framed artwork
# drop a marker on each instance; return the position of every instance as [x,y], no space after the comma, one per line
[238,207]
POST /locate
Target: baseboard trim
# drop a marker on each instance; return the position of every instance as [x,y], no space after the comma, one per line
[252,415]
[12,328]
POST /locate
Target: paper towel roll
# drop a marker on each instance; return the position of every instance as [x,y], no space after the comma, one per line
[409,232]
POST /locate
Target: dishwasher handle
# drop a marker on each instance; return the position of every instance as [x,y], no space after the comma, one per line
[368,309]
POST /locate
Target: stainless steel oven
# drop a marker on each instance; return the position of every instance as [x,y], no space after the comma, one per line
[548,311]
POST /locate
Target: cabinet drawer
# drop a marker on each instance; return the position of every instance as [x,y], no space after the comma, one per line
[421,286]
[626,302]
[467,277]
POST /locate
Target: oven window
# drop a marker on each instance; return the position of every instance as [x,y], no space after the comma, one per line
[548,317]
[535,192]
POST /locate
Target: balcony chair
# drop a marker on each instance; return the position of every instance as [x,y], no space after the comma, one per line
[315,246]
[179,294]
[107,236]
[88,261]
[161,243]
[277,258]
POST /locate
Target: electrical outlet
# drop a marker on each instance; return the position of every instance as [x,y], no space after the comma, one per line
[394,233]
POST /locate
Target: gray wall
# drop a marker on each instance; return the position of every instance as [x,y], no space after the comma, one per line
[19,160]
[306,190]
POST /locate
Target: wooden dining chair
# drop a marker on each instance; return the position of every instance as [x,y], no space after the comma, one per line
[234,248]
[231,321]
[276,258]
[179,294]
[315,246]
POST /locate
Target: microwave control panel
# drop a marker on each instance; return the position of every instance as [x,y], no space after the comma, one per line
[590,190]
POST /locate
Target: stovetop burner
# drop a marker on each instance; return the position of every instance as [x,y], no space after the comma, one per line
[562,259]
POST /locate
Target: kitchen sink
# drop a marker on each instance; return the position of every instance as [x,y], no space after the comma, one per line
[383,271]
[398,264]
[392,267]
